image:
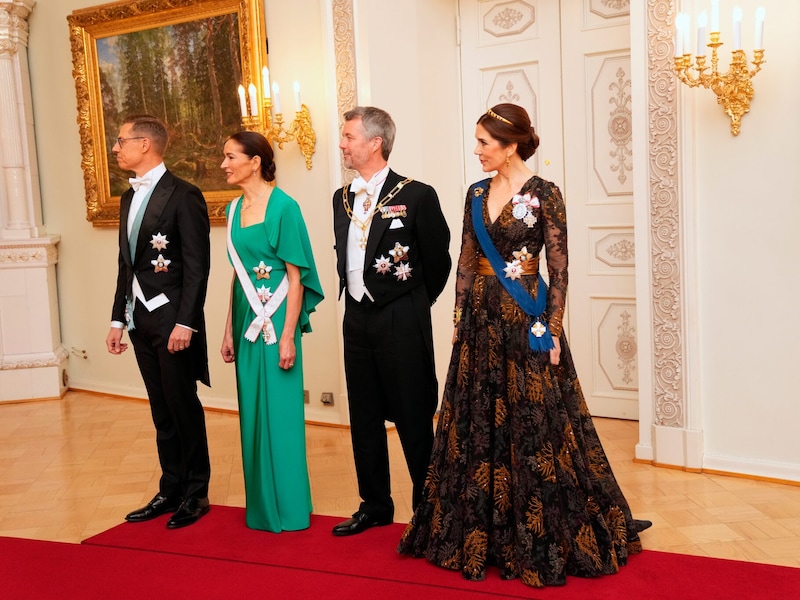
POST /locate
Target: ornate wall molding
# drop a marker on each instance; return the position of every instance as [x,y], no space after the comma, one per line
[345,51]
[665,226]
[39,252]
[14,24]
[56,359]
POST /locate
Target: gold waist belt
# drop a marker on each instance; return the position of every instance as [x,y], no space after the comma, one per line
[529,267]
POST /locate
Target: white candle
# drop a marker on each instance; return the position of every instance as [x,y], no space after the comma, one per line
[702,22]
[265,82]
[242,103]
[297,96]
[715,16]
[737,28]
[687,21]
[253,99]
[760,14]
[679,35]
[276,98]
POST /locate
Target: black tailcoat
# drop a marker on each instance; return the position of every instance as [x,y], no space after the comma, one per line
[388,343]
[177,211]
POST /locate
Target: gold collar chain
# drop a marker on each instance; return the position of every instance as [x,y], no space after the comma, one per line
[363,225]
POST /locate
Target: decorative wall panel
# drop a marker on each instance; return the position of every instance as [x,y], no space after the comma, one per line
[609,9]
[502,20]
[665,225]
[617,352]
[517,86]
[509,18]
[612,124]
[345,48]
[614,251]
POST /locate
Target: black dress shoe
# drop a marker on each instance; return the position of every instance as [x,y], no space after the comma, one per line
[640,525]
[189,512]
[359,522]
[158,506]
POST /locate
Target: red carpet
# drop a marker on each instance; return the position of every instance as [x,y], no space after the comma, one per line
[370,559]
[31,569]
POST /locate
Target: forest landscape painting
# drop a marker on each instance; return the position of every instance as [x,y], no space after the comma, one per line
[186,74]
[180,60]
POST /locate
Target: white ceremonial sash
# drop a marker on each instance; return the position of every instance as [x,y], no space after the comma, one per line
[262,323]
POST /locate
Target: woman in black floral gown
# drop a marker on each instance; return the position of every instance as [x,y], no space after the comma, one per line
[518,478]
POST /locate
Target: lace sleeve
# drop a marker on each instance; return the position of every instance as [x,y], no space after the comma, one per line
[554,215]
[467,260]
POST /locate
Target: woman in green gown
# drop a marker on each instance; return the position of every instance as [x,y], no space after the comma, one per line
[275,287]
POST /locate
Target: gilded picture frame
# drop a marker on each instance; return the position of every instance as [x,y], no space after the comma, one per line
[147,56]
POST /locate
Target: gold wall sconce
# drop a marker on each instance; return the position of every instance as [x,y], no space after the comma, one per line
[259,116]
[734,89]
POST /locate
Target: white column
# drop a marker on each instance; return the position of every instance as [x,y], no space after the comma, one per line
[32,359]
[19,190]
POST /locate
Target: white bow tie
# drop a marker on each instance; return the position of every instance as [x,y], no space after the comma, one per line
[137,182]
[359,185]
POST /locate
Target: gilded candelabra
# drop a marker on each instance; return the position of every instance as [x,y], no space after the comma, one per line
[734,89]
[300,130]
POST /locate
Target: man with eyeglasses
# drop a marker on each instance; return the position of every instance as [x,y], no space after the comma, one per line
[164,261]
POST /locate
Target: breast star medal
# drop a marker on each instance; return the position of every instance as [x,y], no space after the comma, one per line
[262,271]
[513,270]
[382,265]
[264,294]
[399,252]
[159,242]
[161,264]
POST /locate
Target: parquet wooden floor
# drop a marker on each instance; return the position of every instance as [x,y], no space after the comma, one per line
[71,468]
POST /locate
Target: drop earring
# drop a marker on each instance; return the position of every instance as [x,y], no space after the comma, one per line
[508,161]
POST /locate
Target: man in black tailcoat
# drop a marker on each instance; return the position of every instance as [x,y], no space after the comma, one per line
[393,261]
[164,261]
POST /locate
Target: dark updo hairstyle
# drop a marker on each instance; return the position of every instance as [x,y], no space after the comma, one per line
[254,144]
[509,123]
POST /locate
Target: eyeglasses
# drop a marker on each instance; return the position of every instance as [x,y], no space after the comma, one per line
[120,140]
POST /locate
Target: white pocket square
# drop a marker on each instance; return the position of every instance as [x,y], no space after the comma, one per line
[396,224]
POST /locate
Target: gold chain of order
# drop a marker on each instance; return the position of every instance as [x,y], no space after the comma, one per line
[362,225]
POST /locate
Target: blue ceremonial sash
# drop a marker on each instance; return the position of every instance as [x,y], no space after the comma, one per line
[539,336]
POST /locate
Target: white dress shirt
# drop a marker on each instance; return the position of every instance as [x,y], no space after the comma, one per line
[355,254]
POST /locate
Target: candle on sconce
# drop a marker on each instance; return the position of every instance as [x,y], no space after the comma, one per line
[715,16]
[687,22]
[702,22]
[679,35]
[297,96]
[760,15]
[242,102]
[276,99]
[253,100]
[737,28]
[265,82]
[683,33]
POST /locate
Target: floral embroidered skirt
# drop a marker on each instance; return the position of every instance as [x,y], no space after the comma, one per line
[518,477]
